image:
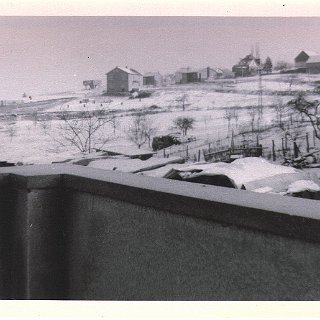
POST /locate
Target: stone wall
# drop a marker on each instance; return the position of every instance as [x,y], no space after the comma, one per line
[70,232]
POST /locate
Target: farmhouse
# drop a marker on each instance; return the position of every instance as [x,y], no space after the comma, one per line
[121,80]
[152,79]
[248,66]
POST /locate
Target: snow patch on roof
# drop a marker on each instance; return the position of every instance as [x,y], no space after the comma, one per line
[311,53]
[242,170]
[127,70]
[314,59]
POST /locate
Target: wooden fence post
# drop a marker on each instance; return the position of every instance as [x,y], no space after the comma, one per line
[307,140]
[164,152]
[273,151]
[295,149]
[199,154]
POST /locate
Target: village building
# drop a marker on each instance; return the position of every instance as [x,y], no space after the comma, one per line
[248,66]
[210,74]
[152,79]
[191,75]
[123,80]
[91,84]
[187,75]
[300,61]
[307,61]
[313,64]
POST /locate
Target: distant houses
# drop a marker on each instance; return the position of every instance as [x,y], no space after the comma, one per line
[307,61]
[152,79]
[123,80]
[248,66]
[191,75]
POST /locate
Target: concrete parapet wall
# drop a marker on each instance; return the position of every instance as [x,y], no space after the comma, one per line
[70,232]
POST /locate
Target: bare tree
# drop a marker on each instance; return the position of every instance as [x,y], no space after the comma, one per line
[35,118]
[150,130]
[236,117]
[140,130]
[309,109]
[183,99]
[228,115]
[85,130]
[184,124]
[12,131]
[282,65]
[114,122]
[281,109]
[252,113]
[45,124]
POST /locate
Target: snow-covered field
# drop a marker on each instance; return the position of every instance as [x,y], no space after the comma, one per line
[24,139]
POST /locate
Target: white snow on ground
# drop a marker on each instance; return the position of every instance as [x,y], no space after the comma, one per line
[303,185]
[32,145]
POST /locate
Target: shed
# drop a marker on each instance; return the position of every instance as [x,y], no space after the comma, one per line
[152,79]
[187,75]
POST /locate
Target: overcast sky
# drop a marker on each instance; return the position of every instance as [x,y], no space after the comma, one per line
[49,54]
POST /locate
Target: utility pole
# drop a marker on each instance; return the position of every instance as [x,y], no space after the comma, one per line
[260,83]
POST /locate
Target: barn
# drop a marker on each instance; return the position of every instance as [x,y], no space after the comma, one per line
[123,80]
[152,79]
[303,58]
[313,64]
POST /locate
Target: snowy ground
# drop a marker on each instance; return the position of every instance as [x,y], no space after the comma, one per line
[33,142]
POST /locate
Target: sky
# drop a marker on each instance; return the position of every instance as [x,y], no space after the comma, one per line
[55,54]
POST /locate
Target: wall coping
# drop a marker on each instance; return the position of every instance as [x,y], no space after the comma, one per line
[288,216]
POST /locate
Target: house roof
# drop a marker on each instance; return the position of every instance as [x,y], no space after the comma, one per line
[188,70]
[127,70]
[314,59]
[150,74]
[310,53]
[246,61]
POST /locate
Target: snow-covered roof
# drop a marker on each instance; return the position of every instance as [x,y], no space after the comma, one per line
[187,70]
[314,59]
[125,164]
[127,70]
[255,174]
[150,74]
[127,150]
[311,53]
